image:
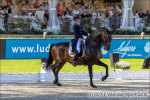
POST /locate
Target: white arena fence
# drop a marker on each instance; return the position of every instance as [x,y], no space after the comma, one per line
[48,76]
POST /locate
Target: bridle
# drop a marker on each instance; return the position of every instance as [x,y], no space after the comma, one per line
[105,38]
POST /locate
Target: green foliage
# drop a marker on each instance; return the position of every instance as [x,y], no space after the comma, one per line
[126,32]
[66,26]
[2,31]
[86,23]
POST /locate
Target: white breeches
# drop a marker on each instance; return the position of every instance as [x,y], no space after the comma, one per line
[78,44]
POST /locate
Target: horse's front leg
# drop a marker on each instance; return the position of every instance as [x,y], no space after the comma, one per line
[104,65]
[91,76]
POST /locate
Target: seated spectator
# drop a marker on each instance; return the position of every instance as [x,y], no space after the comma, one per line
[36,5]
[60,17]
[75,11]
[87,5]
[96,14]
[115,19]
[68,14]
[46,17]
[72,5]
[116,8]
[108,15]
[5,16]
[141,14]
[135,14]
[81,9]
[147,15]
[24,12]
[34,13]
[43,7]
[59,9]
[87,14]
[10,7]
[77,2]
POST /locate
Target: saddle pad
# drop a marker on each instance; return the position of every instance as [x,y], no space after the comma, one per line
[72,54]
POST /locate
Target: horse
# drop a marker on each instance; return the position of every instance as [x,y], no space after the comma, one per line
[60,54]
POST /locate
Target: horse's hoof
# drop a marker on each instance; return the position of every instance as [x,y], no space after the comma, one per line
[59,84]
[103,78]
[93,86]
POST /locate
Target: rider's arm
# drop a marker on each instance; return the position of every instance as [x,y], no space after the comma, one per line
[84,33]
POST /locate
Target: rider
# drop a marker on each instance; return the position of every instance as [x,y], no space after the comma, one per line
[80,34]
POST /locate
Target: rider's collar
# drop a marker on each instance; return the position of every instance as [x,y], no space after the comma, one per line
[78,23]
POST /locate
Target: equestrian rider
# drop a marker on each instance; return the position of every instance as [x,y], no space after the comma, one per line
[80,34]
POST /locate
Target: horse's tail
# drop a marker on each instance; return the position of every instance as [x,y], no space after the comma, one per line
[50,59]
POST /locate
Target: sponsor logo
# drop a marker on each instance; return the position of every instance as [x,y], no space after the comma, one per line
[103,51]
[125,48]
[147,47]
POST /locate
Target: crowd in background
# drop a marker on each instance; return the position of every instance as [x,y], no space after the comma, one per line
[67,10]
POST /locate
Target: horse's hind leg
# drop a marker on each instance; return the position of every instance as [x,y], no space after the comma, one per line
[104,65]
[56,68]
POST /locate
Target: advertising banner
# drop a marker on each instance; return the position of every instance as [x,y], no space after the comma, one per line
[39,48]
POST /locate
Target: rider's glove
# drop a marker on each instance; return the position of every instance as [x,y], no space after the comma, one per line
[88,34]
[84,37]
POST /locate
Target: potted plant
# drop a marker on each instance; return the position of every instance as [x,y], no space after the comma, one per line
[121,69]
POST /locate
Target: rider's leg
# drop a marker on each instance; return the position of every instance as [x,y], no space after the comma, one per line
[74,63]
[79,44]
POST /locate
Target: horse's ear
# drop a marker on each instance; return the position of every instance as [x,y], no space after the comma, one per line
[110,32]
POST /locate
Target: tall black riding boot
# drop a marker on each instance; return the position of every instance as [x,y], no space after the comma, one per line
[74,63]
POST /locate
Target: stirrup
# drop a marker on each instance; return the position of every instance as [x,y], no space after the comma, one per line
[74,63]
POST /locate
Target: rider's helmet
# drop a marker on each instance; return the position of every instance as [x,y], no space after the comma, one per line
[77,16]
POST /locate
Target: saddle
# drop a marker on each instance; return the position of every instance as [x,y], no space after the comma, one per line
[82,49]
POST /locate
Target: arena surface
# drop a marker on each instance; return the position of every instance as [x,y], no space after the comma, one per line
[110,89]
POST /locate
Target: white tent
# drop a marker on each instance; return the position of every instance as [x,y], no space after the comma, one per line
[53,23]
[127,18]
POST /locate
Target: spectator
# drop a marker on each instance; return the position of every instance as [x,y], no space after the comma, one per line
[24,12]
[5,17]
[36,5]
[108,15]
[116,8]
[96,14]
[10,7]
[87,5]
[81,9]
[141,14]
[147,15]
[34,13]
[60,17]
[68,14]
[59,9]
[75,11]
[115,19]
[135,14]
[87,14]
[43,7]
[77,2]
[46,17]
[72,6]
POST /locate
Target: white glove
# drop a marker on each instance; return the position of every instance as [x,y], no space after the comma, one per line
[84,37]
[88,34]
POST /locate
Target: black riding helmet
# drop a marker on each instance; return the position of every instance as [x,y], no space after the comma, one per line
[77,16]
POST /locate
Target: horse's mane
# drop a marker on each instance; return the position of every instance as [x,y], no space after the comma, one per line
[97,32]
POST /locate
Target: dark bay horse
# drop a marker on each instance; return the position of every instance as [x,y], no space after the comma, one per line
[60,53]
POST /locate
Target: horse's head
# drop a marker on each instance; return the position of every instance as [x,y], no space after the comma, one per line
[100,36]
[107,39]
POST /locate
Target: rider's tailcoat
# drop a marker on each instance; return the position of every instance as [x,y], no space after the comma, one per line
[79,33]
